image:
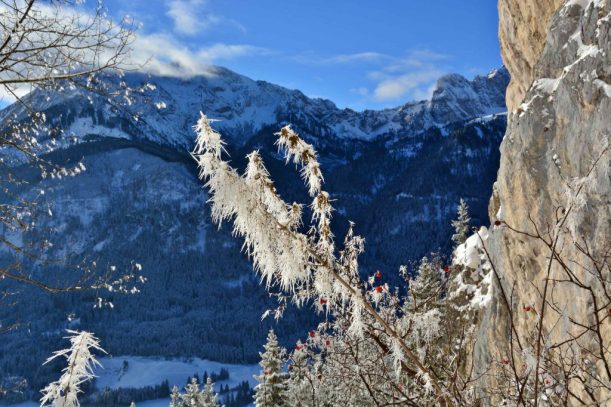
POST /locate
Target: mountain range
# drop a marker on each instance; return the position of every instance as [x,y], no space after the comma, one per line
[398,173]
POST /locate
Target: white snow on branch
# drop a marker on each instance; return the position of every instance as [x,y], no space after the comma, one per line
[81,362]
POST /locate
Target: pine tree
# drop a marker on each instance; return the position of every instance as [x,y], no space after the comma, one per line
[193,397]
[461,223]
[175,400]
[208,396]
[425,288]
[271,390]
[300,391]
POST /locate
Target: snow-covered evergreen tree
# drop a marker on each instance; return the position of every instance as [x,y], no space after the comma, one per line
[425,288]
[461,223]
[175,397]
[299,388]
[271,390]
[194,397]
[208,395]
[80,364]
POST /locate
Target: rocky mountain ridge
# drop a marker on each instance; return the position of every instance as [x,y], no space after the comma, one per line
[168,107]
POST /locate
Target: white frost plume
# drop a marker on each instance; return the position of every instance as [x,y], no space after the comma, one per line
[260,215]
[81,362]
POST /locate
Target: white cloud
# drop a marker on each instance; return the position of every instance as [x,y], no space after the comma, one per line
[410,77]
[309,58]
[159,53]
[165,55]
[229,51]
[184,17]
[189,17]
[9,96]
[361,91]
[398,87]
[425,93]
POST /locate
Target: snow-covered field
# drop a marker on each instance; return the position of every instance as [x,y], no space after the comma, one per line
[148,403]
[154,403]
[149,371]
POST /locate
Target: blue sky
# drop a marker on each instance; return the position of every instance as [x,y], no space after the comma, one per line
[360,54]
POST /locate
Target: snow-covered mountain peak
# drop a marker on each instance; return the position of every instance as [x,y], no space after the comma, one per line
[169,106]
[457,98]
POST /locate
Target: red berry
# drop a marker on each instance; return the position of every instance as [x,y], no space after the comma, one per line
[323,301]
[527,308]
[505,361]
[327,342]
[379,289]
[290,367]
[299,347]
[547,381]
[497,223]
[446,269]
[312,334]
[378,274]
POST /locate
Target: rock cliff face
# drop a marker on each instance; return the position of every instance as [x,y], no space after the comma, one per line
[523,29]
[554,181]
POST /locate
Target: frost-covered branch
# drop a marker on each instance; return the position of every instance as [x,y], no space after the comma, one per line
[48,47]
[81,362]
[304,265]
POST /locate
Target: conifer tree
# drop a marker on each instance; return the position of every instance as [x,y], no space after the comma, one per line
[271,390]
[175,397]
[425,288]
[193,397]
[461,224]
[208,396]
[301,391]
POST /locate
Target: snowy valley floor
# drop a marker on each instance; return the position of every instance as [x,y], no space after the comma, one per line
[150,371]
